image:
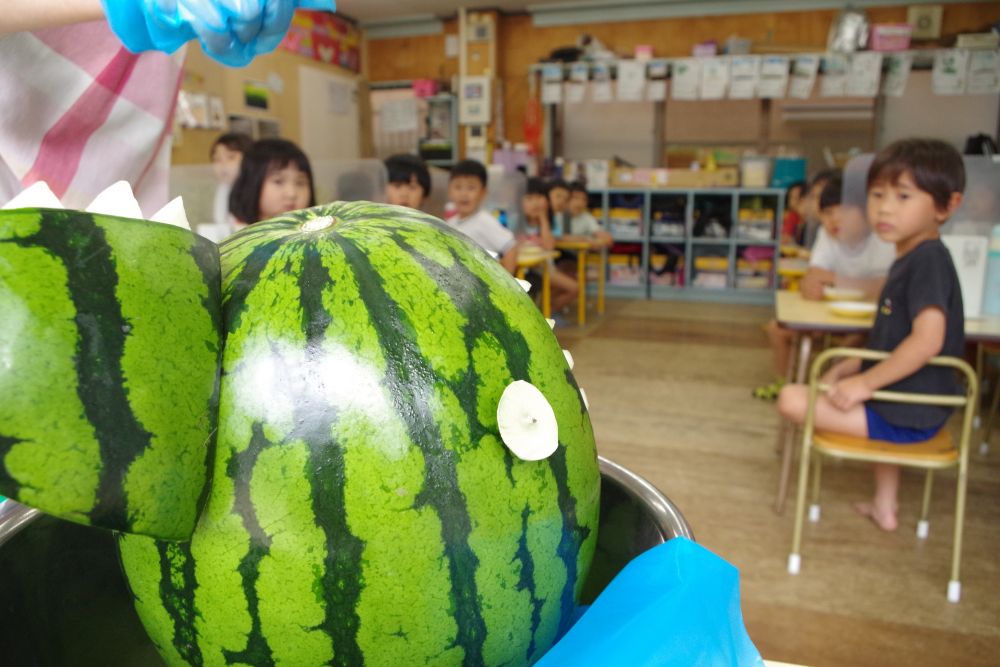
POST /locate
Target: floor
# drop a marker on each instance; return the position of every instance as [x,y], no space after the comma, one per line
[669,389]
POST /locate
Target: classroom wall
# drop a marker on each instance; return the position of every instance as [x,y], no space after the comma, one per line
[521,44]
[286,100]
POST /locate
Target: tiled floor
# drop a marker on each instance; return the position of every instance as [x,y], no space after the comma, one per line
[669,387]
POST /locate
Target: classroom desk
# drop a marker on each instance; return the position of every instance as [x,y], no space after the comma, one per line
[582,248]
[543,259]
[805,318]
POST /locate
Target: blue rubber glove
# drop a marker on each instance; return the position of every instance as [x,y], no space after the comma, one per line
[232,32]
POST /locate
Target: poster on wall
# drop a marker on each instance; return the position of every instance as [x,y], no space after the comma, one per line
[686,79]
[773,76]
[984,73]
[834,75]
[575,91]
[897,72]
[552,77]
[714,78]
[631,80]
[324,37]
[864,74]
[600,87]
[743,71]
[948,75]
[803,77]
[656,88]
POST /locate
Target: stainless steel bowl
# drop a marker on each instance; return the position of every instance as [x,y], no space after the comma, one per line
[63,599]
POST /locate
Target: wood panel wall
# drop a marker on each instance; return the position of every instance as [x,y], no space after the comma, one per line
[522,44]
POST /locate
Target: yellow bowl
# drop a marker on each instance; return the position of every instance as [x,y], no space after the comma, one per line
[852,309]
[831,293]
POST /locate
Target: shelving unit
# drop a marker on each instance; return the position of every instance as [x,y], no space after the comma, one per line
[711,244]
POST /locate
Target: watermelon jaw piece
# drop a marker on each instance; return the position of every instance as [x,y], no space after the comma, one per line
[109,355]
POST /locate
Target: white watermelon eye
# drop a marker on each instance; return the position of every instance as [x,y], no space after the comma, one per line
[525,285]
[36,195]
[527,422]
[116,200]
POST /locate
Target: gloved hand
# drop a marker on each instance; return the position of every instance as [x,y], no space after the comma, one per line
[232,32]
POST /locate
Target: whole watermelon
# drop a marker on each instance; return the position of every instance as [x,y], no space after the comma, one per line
[110,340]
[363,508]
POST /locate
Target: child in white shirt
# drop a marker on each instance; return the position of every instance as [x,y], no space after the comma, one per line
[466,192]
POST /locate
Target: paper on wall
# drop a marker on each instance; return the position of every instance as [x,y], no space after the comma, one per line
[600,86]
[897,72]
[656,91]
[834,82]
[575,92]
[773,76]
[863,77]
[950,67]
[551,92]
[686,80]
[631,80]
[398,116]
[803,76]
[714,78]
[984,73]
[743,77]
[579,72]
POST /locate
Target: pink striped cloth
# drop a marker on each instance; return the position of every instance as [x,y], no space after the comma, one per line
[78,111]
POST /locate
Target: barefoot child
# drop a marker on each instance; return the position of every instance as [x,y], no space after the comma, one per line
[914,185]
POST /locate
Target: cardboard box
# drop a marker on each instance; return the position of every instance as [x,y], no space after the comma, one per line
[891,36]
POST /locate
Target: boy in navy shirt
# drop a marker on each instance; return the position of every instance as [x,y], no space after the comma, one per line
[914,185]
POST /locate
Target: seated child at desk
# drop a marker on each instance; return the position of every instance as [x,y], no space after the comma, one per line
[466,192]
[558,199]
[580,226]
[792,222]
[536,233]
[914,185]
[409,181]
[846,254]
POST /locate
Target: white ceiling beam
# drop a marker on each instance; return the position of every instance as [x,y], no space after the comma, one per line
[407,26]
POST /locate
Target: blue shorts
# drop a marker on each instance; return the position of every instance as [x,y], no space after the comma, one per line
[880,429]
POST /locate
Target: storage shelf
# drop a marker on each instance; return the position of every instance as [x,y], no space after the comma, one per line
[715,205]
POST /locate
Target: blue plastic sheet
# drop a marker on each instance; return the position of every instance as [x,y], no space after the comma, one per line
[676,605]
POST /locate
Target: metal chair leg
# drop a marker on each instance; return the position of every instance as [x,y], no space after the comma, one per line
[923,527]
[817,473]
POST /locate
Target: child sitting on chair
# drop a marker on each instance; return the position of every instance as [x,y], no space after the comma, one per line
[914,185]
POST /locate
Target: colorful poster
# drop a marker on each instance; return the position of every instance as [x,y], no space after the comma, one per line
[897,73]
[950,68]
[324,37]
[803,77]
[773,76]
[864,75]
[743,73]
[600,87]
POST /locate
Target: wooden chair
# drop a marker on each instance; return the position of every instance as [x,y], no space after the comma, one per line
[937,453]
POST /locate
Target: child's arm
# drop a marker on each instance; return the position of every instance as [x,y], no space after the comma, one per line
[21,15]
[814,281]
[548,241]
[926,340]
[509,259]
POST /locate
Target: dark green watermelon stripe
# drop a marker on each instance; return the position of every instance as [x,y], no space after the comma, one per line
[441,491]
[7,482]
[479,311]
[527,581]
[240,470]
[177,566]
[236,290]
[212,303]
[342,576]
[91,282]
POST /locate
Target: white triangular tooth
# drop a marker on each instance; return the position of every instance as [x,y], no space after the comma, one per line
[552,322]
[525,285]
[527,422]
[173,213]
[36,195]
[117,200]
[583,395]
[569,358]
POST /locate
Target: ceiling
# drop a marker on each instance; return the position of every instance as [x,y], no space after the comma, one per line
[367,11]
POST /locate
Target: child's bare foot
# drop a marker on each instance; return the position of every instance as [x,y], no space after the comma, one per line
[884,518]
